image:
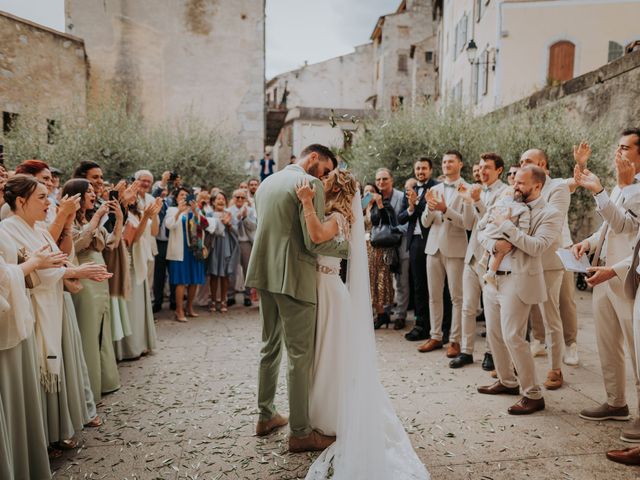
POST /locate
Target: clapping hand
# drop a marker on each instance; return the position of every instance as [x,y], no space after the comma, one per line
[129,195]
[465,193]
[45,258]
[587,179]
[69,205]
[581,154]
[625,171]
[436,202]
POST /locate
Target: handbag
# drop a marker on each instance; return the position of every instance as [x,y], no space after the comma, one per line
[32,280]
[385,236]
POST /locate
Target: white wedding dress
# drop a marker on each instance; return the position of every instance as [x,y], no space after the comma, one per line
[347,398]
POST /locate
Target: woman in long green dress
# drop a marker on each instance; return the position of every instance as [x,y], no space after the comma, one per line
[143,337]
[92,303]
[6,456]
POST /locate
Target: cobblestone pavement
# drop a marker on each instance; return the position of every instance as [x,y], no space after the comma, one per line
[188,412]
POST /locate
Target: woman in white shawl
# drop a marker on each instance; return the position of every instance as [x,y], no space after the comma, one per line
[29,202]
[139,228]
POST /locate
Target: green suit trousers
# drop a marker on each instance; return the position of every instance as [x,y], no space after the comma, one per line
[294,321]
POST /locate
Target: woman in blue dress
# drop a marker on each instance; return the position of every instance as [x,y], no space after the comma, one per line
[186,225]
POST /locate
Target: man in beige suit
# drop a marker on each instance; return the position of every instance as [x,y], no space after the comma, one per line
[612,310]
[476,203]
[520,284]
[446,247]
[556,193]
[631,456]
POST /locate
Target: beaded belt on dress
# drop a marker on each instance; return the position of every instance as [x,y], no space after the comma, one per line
[328,270]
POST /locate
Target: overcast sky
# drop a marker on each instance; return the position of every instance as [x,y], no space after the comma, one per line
[297,30]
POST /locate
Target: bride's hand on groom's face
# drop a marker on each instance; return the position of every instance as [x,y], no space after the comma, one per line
[305,191]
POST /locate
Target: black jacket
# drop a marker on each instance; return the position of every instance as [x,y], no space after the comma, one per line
[405,216]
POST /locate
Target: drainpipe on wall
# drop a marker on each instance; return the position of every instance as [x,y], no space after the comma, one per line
[497,77]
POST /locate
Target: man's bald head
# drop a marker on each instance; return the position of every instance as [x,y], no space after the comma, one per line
[535,156]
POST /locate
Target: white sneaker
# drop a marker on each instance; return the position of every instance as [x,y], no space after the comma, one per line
[538,348]
[571,355]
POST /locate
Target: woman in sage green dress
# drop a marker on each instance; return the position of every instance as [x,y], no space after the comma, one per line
[92,303]
[143,337]
[6,456]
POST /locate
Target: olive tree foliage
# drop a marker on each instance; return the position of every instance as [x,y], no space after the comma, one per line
[122,142]
[396,140]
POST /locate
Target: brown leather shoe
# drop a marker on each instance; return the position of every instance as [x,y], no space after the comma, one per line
[266,427]
[628,456]
[314,442]
[526,406]
[498,388]
[453,350]
[430,345]
[554,380]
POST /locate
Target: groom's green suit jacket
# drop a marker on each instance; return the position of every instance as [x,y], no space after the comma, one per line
[283,257]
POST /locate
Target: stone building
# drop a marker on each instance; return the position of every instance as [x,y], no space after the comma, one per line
[43,73]
[393,37]
[524,46]
[200,57]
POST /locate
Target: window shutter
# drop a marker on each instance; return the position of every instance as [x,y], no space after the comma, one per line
[615,51]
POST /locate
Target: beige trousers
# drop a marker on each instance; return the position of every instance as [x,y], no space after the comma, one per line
[613,317]
[507,317]
[440,267]
[471,291]
[568,313]
[636,329]
[546,318]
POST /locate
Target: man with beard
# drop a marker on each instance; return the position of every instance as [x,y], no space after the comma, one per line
[519,285]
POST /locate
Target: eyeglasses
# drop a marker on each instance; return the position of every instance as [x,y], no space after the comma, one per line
[511,174]
[238,196]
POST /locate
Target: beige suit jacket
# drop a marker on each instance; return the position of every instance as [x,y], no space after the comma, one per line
[473,213]
[526,257]
[621,225]
[556,193]
[632,278]
[447,234]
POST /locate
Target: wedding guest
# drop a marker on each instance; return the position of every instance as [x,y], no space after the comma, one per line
[41,171]
[511,174]
[224,254]
[555,193]
[185,222]
[253,185]
[631,456]
[92,302]
[476,203]
[412,208]
[161,265]
[384,182]
[23,437]
[266,166]
[384,259]
[519,284]
[244,223]
[145,182]
[445,249]
[612,309]
[141,226]
[475,170]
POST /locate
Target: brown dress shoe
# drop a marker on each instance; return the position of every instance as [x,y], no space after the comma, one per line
[453,350]
[266,427]
[525,406]
[314,442]
[606,412]
[554,380]
[430,345]
[498,388]
[628,456]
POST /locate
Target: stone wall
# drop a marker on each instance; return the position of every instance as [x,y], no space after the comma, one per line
[200,57]
[611,92]
[42,72]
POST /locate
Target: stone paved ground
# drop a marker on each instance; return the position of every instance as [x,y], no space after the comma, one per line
[188,412]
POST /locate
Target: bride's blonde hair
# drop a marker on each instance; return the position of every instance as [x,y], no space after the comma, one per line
[340,188]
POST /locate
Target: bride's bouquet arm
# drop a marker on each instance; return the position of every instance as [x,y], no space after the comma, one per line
[319,232]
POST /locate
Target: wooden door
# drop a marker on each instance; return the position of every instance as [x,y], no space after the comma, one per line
[561,59]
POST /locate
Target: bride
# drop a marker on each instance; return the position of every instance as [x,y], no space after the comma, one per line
[347,398]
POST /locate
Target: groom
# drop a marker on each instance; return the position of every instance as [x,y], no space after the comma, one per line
[283,269]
